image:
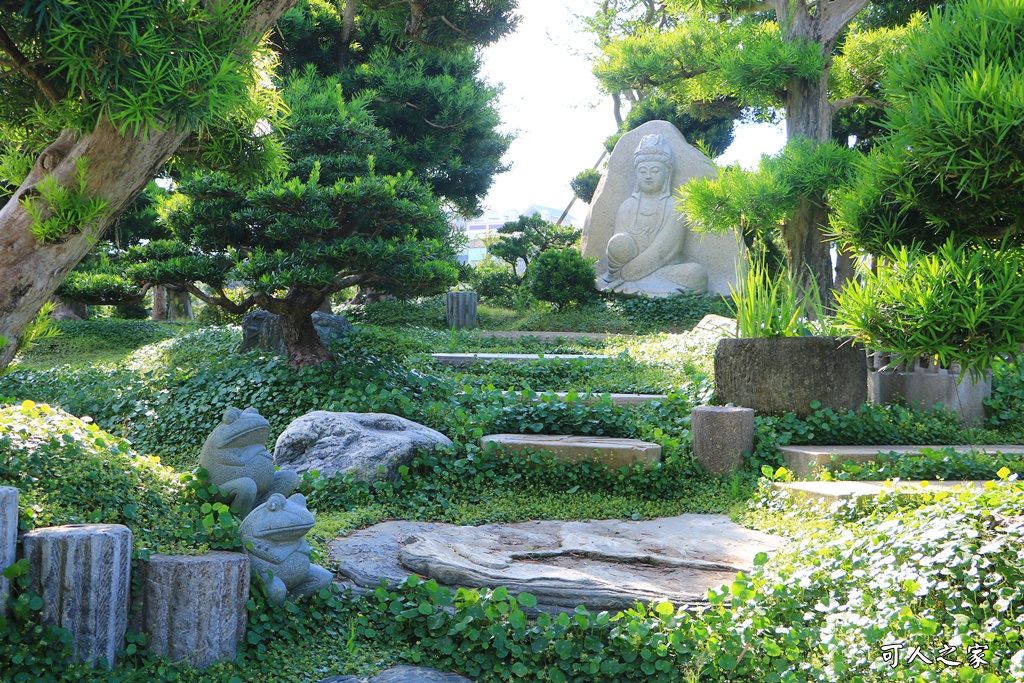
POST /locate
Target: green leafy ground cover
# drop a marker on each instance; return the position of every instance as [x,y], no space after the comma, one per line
[795,619]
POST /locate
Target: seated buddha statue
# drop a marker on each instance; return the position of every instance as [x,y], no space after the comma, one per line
[645,252]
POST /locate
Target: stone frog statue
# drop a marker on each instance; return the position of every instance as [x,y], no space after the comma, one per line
[239,463]
[273,536]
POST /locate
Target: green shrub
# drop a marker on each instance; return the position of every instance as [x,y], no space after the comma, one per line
[88,340]
[963,304]
[495,282]
[943,463]
[425,311]
[561,277]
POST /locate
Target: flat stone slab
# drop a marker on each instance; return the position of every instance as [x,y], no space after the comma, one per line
[603,565]
[463,360]
[833,491]
[551,336]
[608,451]
[616,399]
[802,461]
[402,674]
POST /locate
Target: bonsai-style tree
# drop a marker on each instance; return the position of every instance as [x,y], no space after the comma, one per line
[520,241]
[331,223]
[941,197]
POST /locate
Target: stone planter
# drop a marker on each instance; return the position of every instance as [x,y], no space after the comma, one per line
[922,385]
[780,375]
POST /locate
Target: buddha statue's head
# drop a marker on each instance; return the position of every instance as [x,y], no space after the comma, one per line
[653,162]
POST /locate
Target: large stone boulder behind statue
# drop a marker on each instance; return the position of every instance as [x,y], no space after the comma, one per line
[370,446]
[718,254]
[262,330]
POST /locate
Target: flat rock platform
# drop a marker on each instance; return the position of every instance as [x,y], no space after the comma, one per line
[609,451]
[603,565]
[802,461]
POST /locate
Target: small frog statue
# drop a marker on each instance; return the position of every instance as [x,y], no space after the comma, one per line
[239,464]
[273,536]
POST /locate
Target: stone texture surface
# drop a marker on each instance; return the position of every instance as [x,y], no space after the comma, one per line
[460,310]
[721,436]
[262,330]
[606,450]
[604,565]
[784,374]
[463,360]
[8,539]
[922,389]
[274,536]
[83,573]
[192,607]
[802,461]
[718,254]
[717,324]
[402,674]
[236,458]
[356,443]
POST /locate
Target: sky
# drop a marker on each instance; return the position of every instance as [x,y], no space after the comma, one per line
[552,103]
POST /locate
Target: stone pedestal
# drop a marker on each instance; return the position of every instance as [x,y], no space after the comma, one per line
[720,437]
[8,538]
[83,573]
[460,310]
[192,607]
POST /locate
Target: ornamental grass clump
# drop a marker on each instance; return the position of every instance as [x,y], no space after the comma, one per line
[767,305]
[962,305]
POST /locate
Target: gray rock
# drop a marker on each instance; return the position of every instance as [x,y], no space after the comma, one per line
[239,464]
[603,565]
[192,607]
[370,446]
[784,374]
[720,437]
[664,255]
[8,539]
[402,674]
[262,330]
[460,310]
[274,537]
[83,573]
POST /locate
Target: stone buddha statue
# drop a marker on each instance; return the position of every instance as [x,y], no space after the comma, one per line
[645,251]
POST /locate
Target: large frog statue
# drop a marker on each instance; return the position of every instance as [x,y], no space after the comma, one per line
[273,536]
[239,464]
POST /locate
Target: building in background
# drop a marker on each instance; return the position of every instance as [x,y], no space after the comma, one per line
[492,219]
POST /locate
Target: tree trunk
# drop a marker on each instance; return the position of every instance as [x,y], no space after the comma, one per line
[808,115]
[179,305]
[159,304]
[300,338]
[119,167]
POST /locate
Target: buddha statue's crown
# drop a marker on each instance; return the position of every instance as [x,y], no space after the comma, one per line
[652,149]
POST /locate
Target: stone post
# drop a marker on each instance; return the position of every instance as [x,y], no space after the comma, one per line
[720,437]
[83,573]
[460,310]
[192,607]
[8,538]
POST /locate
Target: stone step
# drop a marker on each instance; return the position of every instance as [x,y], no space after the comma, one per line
[802,461]
[833,491]
[551,336]
[609,451]
[616,399]
[463,360]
